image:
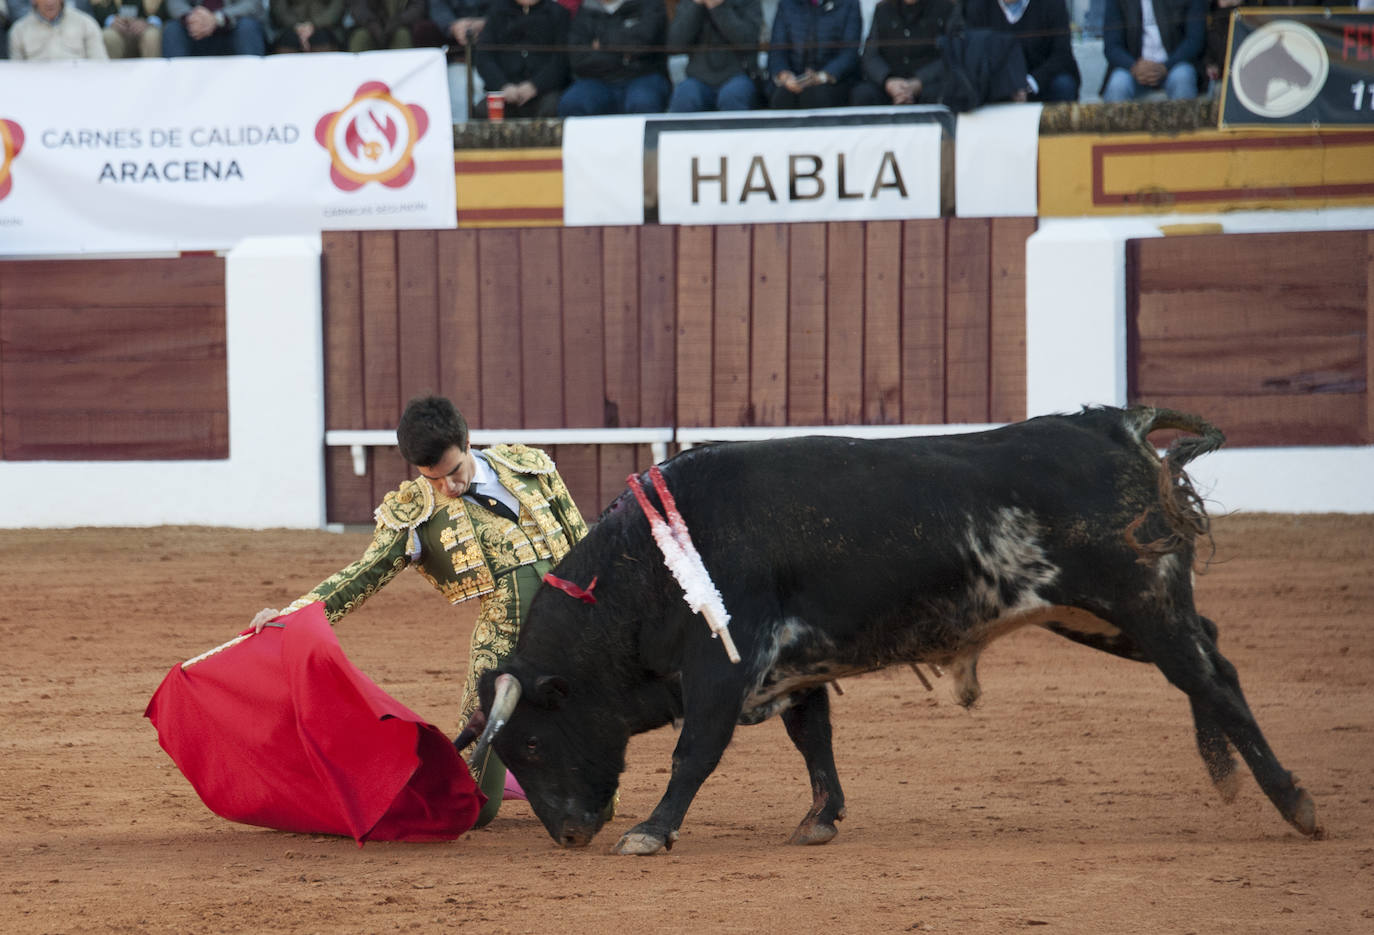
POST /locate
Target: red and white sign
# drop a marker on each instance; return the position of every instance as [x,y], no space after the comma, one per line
[199,153]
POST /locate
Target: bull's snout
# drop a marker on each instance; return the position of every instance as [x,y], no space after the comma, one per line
[575,837]
[578,831]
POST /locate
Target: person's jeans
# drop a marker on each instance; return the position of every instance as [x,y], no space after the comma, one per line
[246,38]
[585,97]
[693,95]
[1063,87]
[1179,84]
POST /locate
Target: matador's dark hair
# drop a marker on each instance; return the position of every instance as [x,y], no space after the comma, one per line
[428,428]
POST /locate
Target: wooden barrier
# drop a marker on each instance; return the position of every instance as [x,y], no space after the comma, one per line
[1268,334]
[824,324]
[113,360]
[880,323]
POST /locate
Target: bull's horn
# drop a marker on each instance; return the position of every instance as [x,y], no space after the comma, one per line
[507,696]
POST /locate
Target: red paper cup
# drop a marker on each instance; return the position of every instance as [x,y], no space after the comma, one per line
[496,105]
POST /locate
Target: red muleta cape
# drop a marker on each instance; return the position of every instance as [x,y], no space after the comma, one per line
[281,730]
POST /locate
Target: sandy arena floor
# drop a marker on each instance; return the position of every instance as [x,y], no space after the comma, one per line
[1072,800]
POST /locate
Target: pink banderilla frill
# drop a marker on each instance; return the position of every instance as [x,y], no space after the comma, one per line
[683,560]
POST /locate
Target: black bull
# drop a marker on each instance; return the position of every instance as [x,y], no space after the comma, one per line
[836,556]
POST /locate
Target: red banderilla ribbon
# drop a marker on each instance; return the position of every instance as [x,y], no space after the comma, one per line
[568,587]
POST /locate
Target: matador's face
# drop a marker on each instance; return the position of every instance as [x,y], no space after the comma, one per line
[452,474]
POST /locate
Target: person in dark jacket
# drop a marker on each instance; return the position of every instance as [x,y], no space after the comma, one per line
[306,25]
[720,37]
[1218,36]
[619,64]
[814,59]
[1042,26]
[391,24]
[901,62]
[1152,45]
[522,54]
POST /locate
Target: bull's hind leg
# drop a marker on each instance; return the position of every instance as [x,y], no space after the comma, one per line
[808,724]
[1188,656]
[1211,738]
[1216,753]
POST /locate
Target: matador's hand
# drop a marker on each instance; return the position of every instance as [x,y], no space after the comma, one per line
[264,615]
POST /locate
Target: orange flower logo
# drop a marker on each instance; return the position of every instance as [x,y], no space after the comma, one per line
[372,139]
[11,141]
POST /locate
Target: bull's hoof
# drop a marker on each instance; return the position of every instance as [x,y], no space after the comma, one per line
[813,832]
[1304,816]
[644,843]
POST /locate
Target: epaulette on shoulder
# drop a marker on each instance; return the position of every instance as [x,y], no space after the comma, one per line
[521,458]
[407,506]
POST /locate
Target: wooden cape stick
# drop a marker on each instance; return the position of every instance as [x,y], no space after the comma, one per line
[223,646]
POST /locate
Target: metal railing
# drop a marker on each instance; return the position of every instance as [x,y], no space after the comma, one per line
[657,437]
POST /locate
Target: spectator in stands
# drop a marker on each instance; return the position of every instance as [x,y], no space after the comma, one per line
[392,24]
[522,52]
[214,27]
[54,29]
[901,62]
[1042,26]
[459,23]
[1218,34]
[130,28]
[307,25]
[619,65]
[814,59]
[1153,45]
[720,37]
[458,20]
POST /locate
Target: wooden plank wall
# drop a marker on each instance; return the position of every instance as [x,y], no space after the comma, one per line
[113,360]
[1268,337]
[808,324]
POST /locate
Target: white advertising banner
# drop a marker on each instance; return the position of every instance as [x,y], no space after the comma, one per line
[152,155]
[809,172]
[755,167]
[603,171]
[997,162]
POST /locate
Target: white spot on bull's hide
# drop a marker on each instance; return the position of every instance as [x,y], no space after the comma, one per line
[771,692]
[790,633]
[1169,571]
[1207,666]
[1009,553]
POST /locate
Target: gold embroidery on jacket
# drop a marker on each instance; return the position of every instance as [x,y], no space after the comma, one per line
[444,537]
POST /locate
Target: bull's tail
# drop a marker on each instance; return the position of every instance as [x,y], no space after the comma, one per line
[1179,502]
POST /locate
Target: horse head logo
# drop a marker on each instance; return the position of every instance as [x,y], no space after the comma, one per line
[1279,69]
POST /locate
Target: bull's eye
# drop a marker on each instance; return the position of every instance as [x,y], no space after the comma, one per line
[531,744]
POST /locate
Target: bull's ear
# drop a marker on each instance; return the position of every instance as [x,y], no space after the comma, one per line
[551,690]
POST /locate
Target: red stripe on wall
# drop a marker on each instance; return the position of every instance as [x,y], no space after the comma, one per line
[1105,151]
[511,214]
[486,166]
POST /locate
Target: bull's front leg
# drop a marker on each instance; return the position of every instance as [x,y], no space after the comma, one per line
[698,751]
[808,724]
[708,723]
